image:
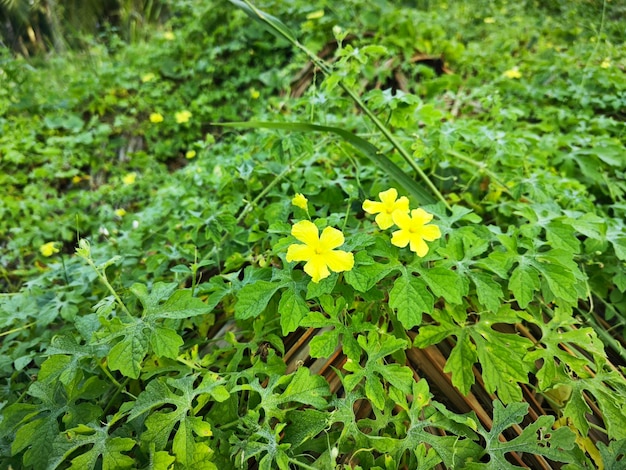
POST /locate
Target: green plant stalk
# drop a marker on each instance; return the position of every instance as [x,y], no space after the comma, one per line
[377,122]
[85,253]
[15,330]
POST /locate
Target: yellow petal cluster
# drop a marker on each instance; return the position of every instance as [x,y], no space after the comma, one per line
[513,73]
[148,77]
[319,251]
[156,118]
[129,178]
[300,201]
[414,228]
[48,249]
[190,154]
[414,231]
[182,116]
[388,205]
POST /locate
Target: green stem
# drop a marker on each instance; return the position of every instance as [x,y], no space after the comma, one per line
[108,374]
[319,63]
[300,464]
[108,285]
[15,330]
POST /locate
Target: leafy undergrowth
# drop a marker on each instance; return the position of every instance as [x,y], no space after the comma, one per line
[181,293]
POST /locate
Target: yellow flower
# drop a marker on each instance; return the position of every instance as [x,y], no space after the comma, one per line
[148,77]
[254,93]
[190,154]
[169,36]
[48,249]
[385,209]
[414,229]
[606,63]
[155,118]
[182,116]
[513,73]
[76,179]
[319,251]
[129,178]
[300,201]
[120,212]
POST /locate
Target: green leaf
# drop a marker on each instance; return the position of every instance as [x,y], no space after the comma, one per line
[444,283]
[165,342]
[375,392]
[364,277]
[488,290]
[523,283]
[292,308]
[536,439]
[180,305]
[560,280]
[108,449]
[562,236]
[127,355]
[307,388]
[411,299]
[164,301]
[461,361]
[253,298]
[502,357]
[324,344]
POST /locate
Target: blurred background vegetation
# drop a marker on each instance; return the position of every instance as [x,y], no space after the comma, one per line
[35,26]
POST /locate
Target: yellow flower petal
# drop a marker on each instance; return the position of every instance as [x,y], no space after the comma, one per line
[384,220]
[431,233]
[300,201]
[419,246]
[316,268]
[388,197]
[388,205]
[129,178]
[400,238]
[338,260]
[420,216]
[331,238]
[299,253]
[182,116]
[306,232]
[513,73]
[156,118]
[48,249]
[401,219]
[318,251]
[373,207]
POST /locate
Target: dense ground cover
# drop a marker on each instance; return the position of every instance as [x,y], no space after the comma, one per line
[155,310]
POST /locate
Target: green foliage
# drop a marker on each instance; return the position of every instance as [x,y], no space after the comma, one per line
[150,318]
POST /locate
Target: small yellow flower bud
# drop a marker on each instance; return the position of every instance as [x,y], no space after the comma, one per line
[300,201]
[48,249]
[182,116]
[129,178]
